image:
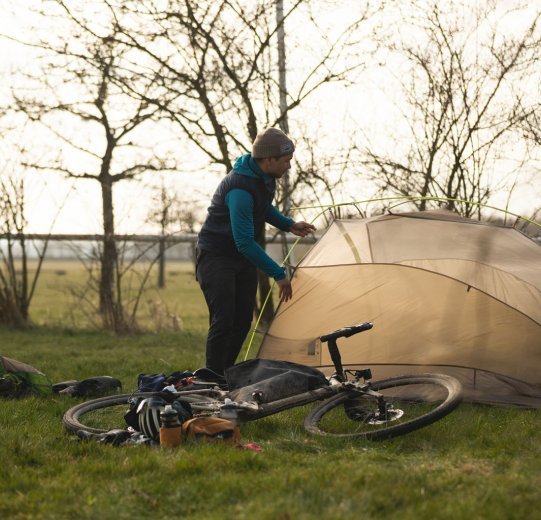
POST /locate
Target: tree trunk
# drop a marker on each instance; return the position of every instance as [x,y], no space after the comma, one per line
[23,302]
[283,121]
[108,305]
[161,262]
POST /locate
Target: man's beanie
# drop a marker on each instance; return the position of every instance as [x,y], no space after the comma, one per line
[272,142]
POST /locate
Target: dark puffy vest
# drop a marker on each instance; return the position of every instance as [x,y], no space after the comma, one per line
[216,234]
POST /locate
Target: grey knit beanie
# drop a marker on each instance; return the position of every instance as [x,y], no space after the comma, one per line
[272,142]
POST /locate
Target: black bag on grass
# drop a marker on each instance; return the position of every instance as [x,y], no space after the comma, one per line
[92,386]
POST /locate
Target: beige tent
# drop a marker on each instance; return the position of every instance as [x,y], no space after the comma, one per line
[444,293]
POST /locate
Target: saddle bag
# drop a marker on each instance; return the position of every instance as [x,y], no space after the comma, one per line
[211,429]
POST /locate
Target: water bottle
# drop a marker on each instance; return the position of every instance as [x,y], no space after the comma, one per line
[171,429]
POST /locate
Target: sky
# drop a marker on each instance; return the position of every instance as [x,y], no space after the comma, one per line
[60,205]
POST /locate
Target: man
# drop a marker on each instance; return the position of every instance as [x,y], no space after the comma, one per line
[228,254]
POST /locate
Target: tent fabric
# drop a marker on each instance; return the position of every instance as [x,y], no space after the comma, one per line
[445,294]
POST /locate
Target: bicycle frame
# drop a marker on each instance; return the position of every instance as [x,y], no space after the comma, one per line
[379,420]
[252,410]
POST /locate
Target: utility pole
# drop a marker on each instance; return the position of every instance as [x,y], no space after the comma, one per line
[283,110]
[164,218]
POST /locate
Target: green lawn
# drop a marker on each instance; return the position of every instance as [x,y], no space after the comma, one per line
[479,462]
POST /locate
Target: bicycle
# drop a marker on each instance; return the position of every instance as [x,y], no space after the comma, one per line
[352,404]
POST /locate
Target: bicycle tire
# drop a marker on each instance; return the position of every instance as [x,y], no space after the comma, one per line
[72,417]
[326,419]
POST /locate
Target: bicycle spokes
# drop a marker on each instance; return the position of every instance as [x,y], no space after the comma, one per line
[374,409]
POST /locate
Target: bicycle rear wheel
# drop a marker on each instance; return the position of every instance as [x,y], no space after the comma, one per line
[107,413]
[101,415]
[411,402]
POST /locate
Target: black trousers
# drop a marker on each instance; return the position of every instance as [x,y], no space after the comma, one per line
[229,286]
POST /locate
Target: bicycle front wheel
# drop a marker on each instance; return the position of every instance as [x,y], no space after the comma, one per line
[395,406]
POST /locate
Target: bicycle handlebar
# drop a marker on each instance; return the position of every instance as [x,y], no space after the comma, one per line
[346,332]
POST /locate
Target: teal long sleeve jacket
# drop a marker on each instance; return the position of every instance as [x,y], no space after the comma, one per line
[240,204]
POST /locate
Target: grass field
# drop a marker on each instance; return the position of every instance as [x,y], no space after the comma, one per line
[58,302]
[479,462]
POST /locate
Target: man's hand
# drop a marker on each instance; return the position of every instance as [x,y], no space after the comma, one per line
[286,292]
[301,229]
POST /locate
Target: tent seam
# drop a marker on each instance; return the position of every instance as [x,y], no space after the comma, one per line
[434,273]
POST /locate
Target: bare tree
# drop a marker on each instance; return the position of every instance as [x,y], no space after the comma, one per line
[318,180]
[464,80]
[216,61]
[531,128]
[162,215]
[17,280]
[217,64]
[172,215]
[208,67]
[79,96]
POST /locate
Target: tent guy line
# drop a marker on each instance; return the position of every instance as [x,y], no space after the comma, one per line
[407,198]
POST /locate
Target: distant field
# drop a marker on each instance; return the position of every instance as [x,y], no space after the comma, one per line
[58,299]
